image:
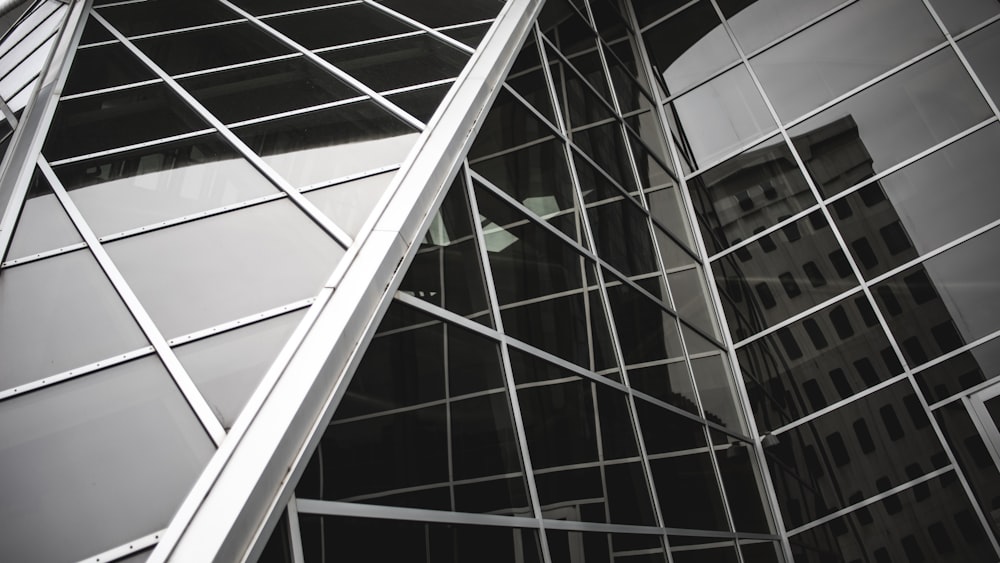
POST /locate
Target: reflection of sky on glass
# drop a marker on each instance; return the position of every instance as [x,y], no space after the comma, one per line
[967,278]
[766,20]
[307,166]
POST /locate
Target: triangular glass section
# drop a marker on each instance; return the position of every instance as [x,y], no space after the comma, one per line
[43,224]
[426,423]
[447,270]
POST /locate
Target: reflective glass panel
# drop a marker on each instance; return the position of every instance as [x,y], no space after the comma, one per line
[813,363]
[716,389]
[771,281]
[210,47]
[758,22]
[330,143]
[720,116]
[421,103]
[960,372]
[689,46]
[893,120]
[400,62]
[364,539]
[104,66]
[43,224]
[338,25]
[972,456]
[688,489]
[138,18]
[58,314]
[606,146]
[750,191]
[980,49]
[145,186]
[121,442]
[227,368]
[851,454]
[744,488]
[470,35]
[265,89]
[907,214]
[438,14]
[622,236]
[960,15]
[930,522]
[218,269]
[947,301]
[350,204]
[125,117]
[820,63]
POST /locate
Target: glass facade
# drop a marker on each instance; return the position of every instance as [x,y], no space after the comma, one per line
[692,281]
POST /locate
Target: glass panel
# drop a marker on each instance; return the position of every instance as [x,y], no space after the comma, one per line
[931,522]
[744,488]
[207,272]
[125,117]
[338,25]
[210,48]
[438,14]
[820,64]
[688,489]
[104,66]
[581,105]
[757,23]
[447,270]
[565,27]
[421,103]
[139,18]
[400,425]
[813,363]
[325,538]
[265,89]
[689,46]
[227,368]
[597,547]
[121,442]
[497,133]
[58,314]
[753,190]
[43,224]
[540,283]
[606,146]
[907,213]
[269,7]
[877,128]
[470,35]
[350,204]
[527,78]
[690,295]
[571,422]
[960,372]
[946,302]
[973,458]
[330,143]
[960,15]
[146,186]
[400,62]
[979,50]
[279,546]
[822,465]
[762,552]
[718,397]
[720,116]
[771,281]
[702,550]
[647,332]
[622,236]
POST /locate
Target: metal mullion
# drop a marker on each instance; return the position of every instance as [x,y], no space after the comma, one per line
[18,161]
[294,531]
[800,28]
[126,549]
[50,380]
[350,177]
[514,402]
[42,255]
[743,401]
[295,112]
[310,9]
[8,115]
[965,62]
[419,515]
[428,487]
[662,19]
[372,41]
[234,66]
[241,322]
[421,86]
[979,26]
[180,30]
[202,410]
[871,500]
[586,83]
[326,65]
[688,415]
[764,233]
[134,146]
[305,205]
[701,168]
[409,408]
[420,25]
[110,89]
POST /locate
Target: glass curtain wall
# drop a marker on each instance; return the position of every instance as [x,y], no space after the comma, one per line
[550,382]
[840,158]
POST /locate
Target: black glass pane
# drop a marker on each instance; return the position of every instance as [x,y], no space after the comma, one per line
[400,62]
[979,50]
[211,47]
[104,66]
[138,18]
[339,25]
[960,372]
[972,456]
[442,13]
[689,493]
[622,235]
[421,103]
[597,547]
[960,15]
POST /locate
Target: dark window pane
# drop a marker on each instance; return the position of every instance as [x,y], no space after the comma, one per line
[338,26]
[438,14]
[979,49]
[138,18]
[688,491]
[104,66]
[972,367]
[819,63]
[96,443]
[421,103]
[889,122]
[331,143]
[59,314]
[209,48]
[124,117]
[207,272]
[960,15]
[400,62]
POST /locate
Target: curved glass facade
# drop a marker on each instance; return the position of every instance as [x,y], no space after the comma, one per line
[693,281]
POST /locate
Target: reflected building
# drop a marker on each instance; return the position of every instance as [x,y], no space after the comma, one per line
[555,281]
